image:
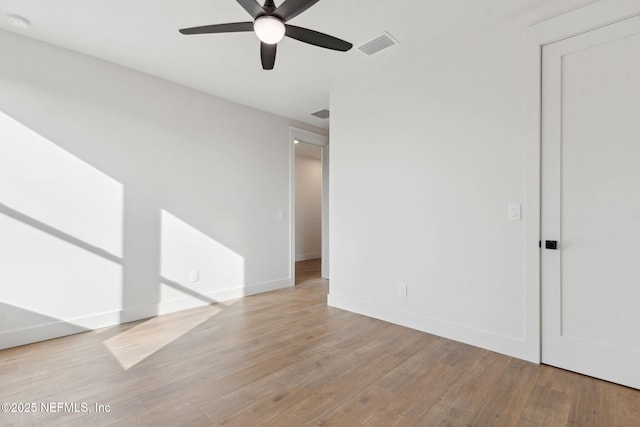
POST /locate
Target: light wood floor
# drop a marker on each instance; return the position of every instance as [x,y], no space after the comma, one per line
[286,359]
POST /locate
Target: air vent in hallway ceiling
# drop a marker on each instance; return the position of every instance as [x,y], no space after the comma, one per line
[379,43]
[322,114]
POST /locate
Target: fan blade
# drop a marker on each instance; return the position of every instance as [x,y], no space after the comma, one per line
[317,39]
[268,55]
[292,8]
[252,6]
[220,28]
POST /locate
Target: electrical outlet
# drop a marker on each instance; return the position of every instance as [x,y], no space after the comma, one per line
[194,276]
[402,290]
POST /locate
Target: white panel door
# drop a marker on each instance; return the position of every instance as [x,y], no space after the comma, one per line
[591,203]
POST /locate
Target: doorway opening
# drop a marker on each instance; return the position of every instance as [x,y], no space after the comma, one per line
[309,206]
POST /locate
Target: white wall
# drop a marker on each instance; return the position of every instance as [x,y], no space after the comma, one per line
[115,185]
[308,205]
[450,137]
[426,204]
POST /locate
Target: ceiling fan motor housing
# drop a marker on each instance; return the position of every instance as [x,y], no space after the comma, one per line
[269,7]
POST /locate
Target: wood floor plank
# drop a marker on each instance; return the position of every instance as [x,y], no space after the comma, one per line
[264,406]
[168,414]
[359,406]
[460,404]
[507,399]
[284,358]
[336,388]
[315,366]
[628,408]
[551,400]
[596,404]
[415,396]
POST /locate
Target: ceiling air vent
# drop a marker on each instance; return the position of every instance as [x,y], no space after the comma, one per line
[379,43]
[322,114]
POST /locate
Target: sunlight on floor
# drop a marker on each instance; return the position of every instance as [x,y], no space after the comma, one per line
[138,343]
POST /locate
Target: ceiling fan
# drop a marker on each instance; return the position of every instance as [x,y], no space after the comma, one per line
[269,25]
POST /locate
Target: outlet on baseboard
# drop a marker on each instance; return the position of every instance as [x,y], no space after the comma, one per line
[402,290]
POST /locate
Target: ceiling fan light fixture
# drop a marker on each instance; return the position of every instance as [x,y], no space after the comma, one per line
[268,23]
[18,21]
[269,29]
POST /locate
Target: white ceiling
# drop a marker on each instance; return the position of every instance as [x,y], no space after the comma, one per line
[143,35]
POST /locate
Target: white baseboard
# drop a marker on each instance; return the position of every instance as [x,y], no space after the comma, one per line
[47,331]
[223,295]
[479,338]
[308,256]
[43,332]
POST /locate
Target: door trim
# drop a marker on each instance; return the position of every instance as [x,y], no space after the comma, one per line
[321,141]
[591,17]
[325,212]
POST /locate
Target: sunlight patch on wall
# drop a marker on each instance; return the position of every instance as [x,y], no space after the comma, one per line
[60,235]
[53,277]
[43,181]
[185,249]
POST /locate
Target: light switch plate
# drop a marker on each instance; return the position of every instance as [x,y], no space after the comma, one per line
[514,212]
[402,290]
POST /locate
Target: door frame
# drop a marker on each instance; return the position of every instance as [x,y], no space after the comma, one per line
[591,17]
[321,141]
